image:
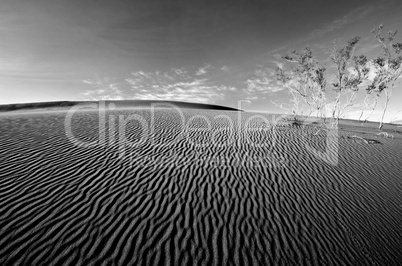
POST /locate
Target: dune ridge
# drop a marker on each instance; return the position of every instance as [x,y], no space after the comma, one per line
[118,103]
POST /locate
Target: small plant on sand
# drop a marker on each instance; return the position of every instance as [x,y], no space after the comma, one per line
[387,67]
[385,135]
[350,73]
[305,81]
[365,140]
[293,121]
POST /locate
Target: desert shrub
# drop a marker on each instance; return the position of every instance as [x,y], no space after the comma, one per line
[347,82]
[305,81]
[387,67]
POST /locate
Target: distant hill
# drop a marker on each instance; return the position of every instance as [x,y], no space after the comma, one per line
[19,106]
[119,103]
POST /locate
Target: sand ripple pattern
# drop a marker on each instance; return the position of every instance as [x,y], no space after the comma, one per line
[226,196]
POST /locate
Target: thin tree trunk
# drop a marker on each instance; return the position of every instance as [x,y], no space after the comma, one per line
[365,104]
[361,114]
[372,110]
[384,110]
[336,106]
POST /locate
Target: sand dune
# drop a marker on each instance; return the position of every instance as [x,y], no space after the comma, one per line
[46,106]
[223,196]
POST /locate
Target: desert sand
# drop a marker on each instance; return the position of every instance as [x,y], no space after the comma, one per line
[244,191]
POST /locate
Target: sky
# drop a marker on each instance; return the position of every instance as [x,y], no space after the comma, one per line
[219,52]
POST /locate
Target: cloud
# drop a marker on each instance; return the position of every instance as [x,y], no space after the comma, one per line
[390,115]
[203,70]
[339,23]
[103,89]
[251,98]
[225,68]
[176,85]
[263,81]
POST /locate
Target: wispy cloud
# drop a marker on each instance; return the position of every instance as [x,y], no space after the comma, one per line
[225,68]
[178,85]
[341,22]
[203,70]
[262,82]
[389,117]
[103,89]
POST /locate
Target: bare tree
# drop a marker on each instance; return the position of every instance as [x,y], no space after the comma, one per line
[350,73]
[370,101]
[387,67]
[305,81]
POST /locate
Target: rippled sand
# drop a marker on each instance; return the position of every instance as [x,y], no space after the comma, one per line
[209,197]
